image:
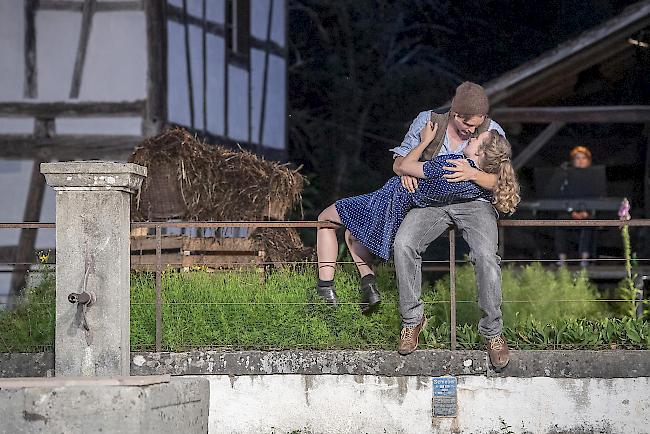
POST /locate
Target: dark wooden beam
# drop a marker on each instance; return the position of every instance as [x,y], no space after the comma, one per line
[71,109]
[30,89]
[67,146]
[589,115]
[537,144]
[156,106]
[188,63]
[265,79]
[204,65]
[84,34]
[102,6]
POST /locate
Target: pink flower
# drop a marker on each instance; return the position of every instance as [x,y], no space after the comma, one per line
[624,210]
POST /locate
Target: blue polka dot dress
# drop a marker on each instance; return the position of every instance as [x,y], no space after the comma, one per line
[374,218]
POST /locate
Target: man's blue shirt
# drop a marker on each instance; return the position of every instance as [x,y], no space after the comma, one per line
[412,138]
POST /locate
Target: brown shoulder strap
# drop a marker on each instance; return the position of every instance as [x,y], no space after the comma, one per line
[442,119]
[484,126]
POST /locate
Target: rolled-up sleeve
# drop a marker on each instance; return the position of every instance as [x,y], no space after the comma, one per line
[412,137]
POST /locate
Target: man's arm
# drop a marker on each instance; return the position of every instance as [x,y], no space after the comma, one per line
[411,140]
[410,164]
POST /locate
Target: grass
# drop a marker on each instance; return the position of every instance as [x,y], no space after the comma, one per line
[239,310]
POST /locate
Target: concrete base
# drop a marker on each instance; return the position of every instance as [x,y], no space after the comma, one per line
[47,405]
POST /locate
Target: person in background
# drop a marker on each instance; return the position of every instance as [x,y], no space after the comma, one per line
[580,159]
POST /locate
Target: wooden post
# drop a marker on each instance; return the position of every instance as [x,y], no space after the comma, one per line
[30,87]
[158,288]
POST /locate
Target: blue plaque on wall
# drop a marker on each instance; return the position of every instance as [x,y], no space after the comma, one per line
[444,401]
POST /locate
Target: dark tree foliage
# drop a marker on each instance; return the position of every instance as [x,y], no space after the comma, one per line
[361,70]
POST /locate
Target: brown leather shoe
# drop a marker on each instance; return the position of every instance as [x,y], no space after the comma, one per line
[497,349]
[408,339]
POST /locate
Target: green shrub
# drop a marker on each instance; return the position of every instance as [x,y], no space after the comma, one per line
[529,292]
[245,310]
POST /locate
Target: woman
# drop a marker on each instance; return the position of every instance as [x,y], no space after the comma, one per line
[580,159]
[372,219]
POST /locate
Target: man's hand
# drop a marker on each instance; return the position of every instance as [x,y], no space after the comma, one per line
[462,171]
[579,215]
[410,183]
[428,132]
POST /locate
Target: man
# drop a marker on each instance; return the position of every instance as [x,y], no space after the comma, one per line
[476,220]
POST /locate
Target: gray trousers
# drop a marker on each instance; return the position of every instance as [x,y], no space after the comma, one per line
[477,222]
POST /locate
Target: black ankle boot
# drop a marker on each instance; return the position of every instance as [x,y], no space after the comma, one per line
[370,297]
[327,293]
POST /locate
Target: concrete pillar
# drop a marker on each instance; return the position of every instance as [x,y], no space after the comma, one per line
[92,258]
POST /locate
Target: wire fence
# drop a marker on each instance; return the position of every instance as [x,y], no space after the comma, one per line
[21,264]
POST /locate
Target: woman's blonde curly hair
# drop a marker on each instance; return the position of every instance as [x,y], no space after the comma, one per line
[498,154]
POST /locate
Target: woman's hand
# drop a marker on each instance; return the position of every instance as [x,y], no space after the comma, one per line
[410,183]
[462,171]
[428,132]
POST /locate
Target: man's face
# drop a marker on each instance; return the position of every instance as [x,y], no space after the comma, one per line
[466,127]
[474,148]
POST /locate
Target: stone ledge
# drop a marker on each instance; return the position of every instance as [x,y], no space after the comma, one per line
[525,364]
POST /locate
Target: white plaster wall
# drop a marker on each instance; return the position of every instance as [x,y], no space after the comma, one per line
[259,20]
[237,103]
[275,112]
[372,404]
[12,23]
[116,60]
[177,94]
[100,125]
[215,103]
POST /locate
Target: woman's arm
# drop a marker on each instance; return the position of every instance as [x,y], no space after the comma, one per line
[410,165]
[462,171]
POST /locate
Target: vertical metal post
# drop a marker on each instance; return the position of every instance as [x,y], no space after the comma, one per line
[502,241]
[452,285]
[158,288]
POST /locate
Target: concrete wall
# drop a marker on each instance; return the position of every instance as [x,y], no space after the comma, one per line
[375,404]
[381,391]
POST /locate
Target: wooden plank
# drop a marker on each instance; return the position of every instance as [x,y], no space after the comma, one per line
[23,382]
[148,262]
[30,87]
[595,114]
[102,6]
[194,244]
[155,116]
[82,47]
[72,109]
[66,146]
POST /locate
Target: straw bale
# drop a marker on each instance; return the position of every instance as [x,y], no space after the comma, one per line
[191,180]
